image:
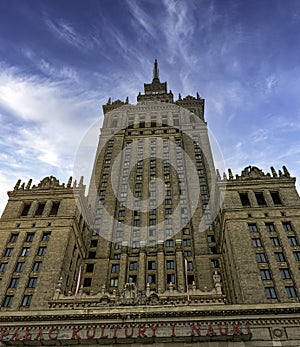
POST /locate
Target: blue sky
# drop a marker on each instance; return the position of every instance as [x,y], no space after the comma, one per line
[61,60]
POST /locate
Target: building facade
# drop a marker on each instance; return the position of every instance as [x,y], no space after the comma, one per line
[162,250]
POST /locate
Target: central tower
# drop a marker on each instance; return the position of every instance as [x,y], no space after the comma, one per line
[152,190]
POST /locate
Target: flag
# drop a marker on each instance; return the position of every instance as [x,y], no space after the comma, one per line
[78,282]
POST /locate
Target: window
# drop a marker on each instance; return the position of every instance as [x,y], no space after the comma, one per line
[118,245]
[186,243]
[170,264]
[270,292]
[3,267]
[261,258]
[94,243]
[152,232]
[114,282]
[270,227]
[132,279]
[287,226]
[8,252]
[117,256]
[151,278]
[170,278]
[212,250]
[32,282]
[186,231]
[256,242]
[37,266]
[19,266]
[46,236]
[151,265]
[292,241]
[244,199]
[275,241]
[29,237]
[25,210]
[136,223]
[152,221]
[152,212]
[265,274]
[276,198]
[260,199]
[252,227]
[135,244]
[25,251]
[285,274]
[168,221]
[291,291]
[40,209]
[87,282]
[279,256]
[133,265]
[14,283]
[122,213]
[26,300]
[169,232]
[168,211]
[170,243]
[190,265]
[187,253]
[8,300]
[297,255]
[54,209]
[119,234]
[41,251]
[115,268]
[13,237]
[89,267]
[168,202]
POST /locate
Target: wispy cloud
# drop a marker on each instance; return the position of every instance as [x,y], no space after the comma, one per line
[66,32]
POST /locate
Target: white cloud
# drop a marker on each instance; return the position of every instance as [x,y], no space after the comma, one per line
[42,122]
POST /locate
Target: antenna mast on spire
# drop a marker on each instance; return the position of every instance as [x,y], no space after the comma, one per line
[155,70]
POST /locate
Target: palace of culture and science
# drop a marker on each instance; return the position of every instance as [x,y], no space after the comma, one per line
[162,249]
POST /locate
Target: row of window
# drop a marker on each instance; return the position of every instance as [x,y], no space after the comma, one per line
[25,251]
[287,226]
[8,300]
[271,292]
[20,266]
[40,209]
[260,199]
[29,237]
[256,242]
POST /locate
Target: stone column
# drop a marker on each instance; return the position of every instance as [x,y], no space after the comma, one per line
[180,267]
[123,265]
[161,277]
[142,267]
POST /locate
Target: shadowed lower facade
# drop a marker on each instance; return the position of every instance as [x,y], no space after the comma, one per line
[161,250]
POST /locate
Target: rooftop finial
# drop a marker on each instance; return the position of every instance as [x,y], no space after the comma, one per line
[155,70]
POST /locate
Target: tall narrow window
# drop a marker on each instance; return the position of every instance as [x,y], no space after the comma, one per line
[244,199]
[40,209]
[25,209]
[260,199]
[26,300]
[8,300]
[54,209]
[13,237]
[276,198]
[270,293]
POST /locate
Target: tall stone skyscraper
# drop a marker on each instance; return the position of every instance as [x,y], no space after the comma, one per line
[161,250]
[152,182]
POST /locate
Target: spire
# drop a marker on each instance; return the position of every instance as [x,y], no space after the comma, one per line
[155,70]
